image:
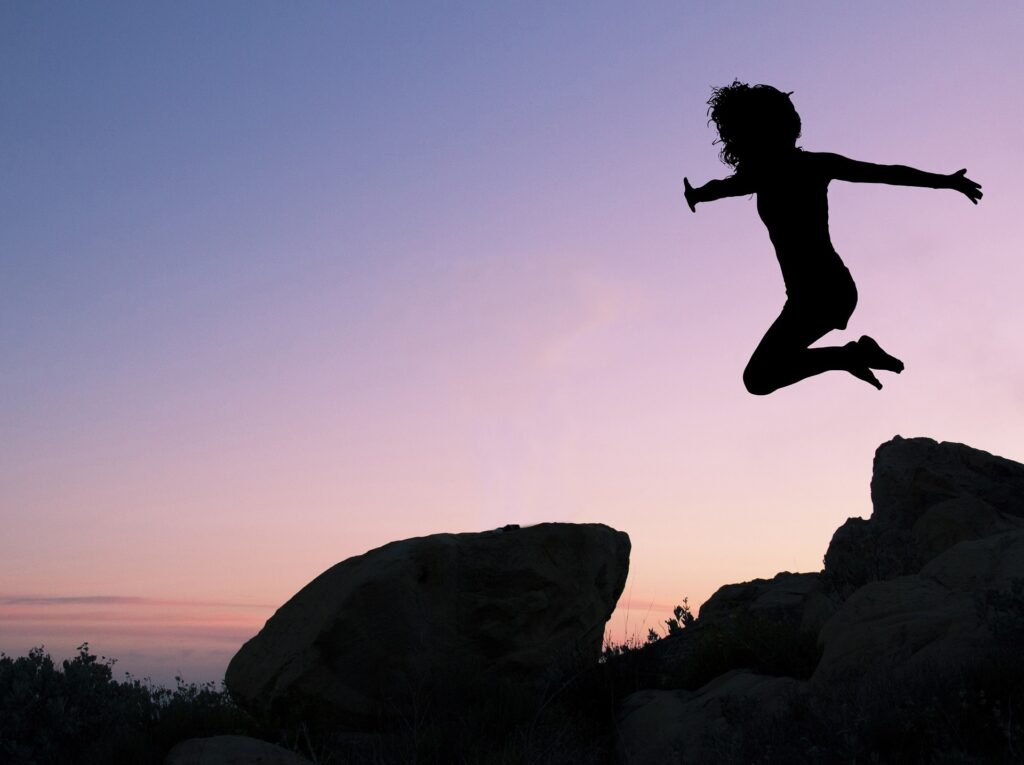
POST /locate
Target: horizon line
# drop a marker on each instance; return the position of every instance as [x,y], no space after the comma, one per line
[100,600]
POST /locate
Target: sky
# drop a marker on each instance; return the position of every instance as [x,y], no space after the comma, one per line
[281,283]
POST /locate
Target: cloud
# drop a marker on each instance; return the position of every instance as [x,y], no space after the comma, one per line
[117,622]
[119,600]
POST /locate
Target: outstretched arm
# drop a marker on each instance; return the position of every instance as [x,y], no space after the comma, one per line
[733,186]
[844,169]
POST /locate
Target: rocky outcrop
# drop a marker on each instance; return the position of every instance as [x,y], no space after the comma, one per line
[933,618]
[912,475]
[915,603]
[926,496]
[388,629]
[781,597]
[931,585]
[231,750]
[795,600]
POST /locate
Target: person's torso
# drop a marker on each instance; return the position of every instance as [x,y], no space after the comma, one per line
[792,201]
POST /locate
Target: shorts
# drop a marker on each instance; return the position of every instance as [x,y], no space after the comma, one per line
[826,303]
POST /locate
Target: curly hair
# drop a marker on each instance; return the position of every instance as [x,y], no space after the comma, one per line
[751,119]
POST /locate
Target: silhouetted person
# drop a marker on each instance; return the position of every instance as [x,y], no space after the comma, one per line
[758,128]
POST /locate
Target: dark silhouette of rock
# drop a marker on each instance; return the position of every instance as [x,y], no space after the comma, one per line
[681,726]
[788,603]
[441,614]
[927,497]
[231,750]
[923,620]
[782,598]
[912,475]
[928,587]
[926,592]
[861,552]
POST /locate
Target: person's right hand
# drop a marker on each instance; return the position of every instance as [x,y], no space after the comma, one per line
[690,200]
[960,182]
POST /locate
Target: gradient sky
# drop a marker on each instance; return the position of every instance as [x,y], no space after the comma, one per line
[280,283]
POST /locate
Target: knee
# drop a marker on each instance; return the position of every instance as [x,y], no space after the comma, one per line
[757,381]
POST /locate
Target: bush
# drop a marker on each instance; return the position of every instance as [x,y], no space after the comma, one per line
[77,713]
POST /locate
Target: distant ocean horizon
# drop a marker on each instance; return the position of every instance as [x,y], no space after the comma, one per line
[162,639]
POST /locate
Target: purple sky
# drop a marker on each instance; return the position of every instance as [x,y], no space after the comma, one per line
[281,284]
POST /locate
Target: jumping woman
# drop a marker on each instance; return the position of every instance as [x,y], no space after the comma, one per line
[758,128]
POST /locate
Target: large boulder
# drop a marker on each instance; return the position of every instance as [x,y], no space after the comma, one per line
[912,475]
[787,598]
[922,621]
[386,630]
[927,497]
[782,596]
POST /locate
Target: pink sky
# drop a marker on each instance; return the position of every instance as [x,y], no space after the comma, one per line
[306,285]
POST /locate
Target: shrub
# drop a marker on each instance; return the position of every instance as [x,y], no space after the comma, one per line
[77,712]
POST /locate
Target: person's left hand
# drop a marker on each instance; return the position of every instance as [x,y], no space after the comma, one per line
[960,182]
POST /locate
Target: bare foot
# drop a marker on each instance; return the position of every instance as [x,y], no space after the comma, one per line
[873,355]
[859,365]
[865,374]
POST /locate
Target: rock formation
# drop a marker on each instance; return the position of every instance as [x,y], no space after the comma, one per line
[932,618]
[785,598]
[911,601]
[920,589]
[446,613]
[927,497]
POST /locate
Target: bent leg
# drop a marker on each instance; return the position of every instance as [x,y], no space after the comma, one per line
[783,357]
[777,361]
